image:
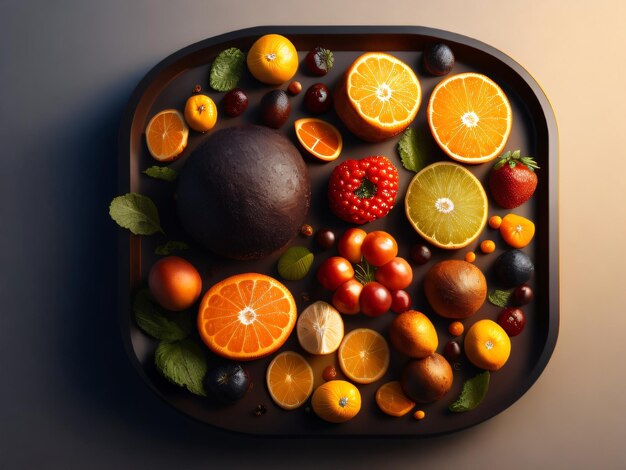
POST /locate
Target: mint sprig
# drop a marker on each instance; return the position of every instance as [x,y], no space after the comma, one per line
[137,213]
[295,263]
[500,298]
[411,150]
[169,247]
[227,69]
[153,320]
[183,363]
[161,173]
[473,393]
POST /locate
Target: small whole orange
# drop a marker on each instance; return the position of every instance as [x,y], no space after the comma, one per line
[200,113]
[336,401]
[273,59]
[487,345]
[413,334]
[174,283]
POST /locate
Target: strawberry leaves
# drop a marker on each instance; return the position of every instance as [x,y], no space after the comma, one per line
[513,158]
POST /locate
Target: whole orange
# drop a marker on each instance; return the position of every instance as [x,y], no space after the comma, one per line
[336,401]
[273,59]
[487,345]
[413,334]
[200,113]
[174,283]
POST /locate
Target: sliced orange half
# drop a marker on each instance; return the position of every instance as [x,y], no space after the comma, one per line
[246,316]
[319,138]
[289,380]
[166,135]
[364,355]
[391,399]
[470,117]
[378,97]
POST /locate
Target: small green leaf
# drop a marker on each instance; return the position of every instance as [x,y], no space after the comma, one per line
[500,297]
[136,213]
[182,363]
[411,150]
[517,154]
[473,393]
[152,319]
[295,263]
[167,248]
[161,173]
[227,69]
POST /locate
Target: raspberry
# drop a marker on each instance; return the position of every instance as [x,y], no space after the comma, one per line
[362,191]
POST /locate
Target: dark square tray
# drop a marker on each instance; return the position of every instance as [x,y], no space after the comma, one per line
[534,132]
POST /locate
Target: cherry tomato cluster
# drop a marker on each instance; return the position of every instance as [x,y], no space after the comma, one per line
[377,285]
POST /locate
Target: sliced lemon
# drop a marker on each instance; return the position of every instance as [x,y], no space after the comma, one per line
[446,205]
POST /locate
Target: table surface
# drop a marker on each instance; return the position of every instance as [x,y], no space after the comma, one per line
[69,394]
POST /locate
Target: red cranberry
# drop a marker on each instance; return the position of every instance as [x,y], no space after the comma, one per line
[318,99]
[512,320]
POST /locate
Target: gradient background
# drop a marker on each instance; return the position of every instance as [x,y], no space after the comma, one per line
[69,398]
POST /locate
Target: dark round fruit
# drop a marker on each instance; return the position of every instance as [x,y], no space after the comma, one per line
[228,382]
[318,99]
[438,59]
[295,88]
[512,320]
[523,295]
[400,301]
[329,373]
[420,254]
[428,379]
[452,351]
[235,102]
[275,108]
[325,238]
[513,268]
[249,206]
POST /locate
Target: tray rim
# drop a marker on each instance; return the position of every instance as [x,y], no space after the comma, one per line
[126,240]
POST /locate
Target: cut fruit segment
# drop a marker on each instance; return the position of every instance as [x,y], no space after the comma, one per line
[364,355]
[446,205]
[289,380]
[166,135]
[319,138]
[320,328]
[378,97]
[392,400]
[470,117]
[246,316]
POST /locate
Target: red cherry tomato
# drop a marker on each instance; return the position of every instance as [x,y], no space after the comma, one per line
[349,245]
[346,297]
[400,301]
[334,271]
[375,299]
[396,274]
[379,248]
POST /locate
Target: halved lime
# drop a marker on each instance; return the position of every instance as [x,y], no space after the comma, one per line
[446,205]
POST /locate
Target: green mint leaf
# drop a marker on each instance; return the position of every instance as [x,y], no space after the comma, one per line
[161,173]
[473,393]
[153,320]
[500,297]
[137,213]
[227,69]
[182,363]
[169,247]
[295,263]
[411,150]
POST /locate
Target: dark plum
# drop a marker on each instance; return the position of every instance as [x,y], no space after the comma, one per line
[512,320]
[523,295]
[325,238]
[452,351]
[513,268]
[235,102]
[438,59]
[420,254]
[318,99]
[228,382]
[275,108]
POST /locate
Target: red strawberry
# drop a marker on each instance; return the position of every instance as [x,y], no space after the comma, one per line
[513,179]
[363,190]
